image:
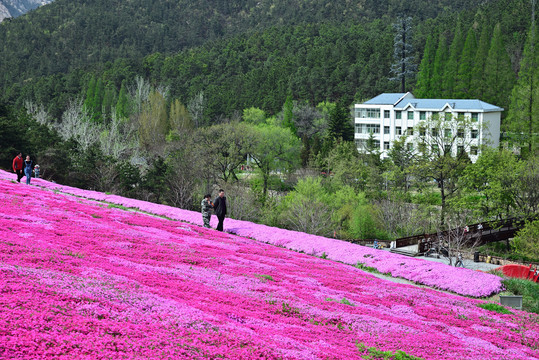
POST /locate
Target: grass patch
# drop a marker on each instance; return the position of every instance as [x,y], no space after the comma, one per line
[74,254]
[115,206]
[367,268]
[264,277]
[374,353]
[494,307]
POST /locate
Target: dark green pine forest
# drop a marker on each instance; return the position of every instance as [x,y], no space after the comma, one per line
[165,100]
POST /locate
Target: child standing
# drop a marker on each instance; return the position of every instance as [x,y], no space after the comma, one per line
[28,169]
[207,206]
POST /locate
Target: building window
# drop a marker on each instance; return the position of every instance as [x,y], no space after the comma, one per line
[386,130]
[367,129]
[475,116]
[460,150]
[447,149]
[434,132]
[398,115]
[410,131]
[448,116]
[460,133]
[410,115]
[447,133]
[460,116]
[473,150]
[434,149]
[368,113]
[474,134]
[386,114]
[386,145]
[410,146]
[422,131]
[422,115]
[398,130]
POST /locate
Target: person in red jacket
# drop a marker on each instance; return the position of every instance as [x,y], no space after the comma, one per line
[17,166]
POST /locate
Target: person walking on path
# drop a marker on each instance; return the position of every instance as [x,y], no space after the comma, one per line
[219,204]
[28,169]
[17,166]
[207,206]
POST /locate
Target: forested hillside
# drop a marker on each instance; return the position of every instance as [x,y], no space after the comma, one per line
[72,37]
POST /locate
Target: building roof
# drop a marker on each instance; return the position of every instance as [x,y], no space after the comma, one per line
[386,99]
[403,101]
[442,104]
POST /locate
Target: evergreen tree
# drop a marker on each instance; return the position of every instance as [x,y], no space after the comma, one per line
[452,65]
[478,70]
[499,77]
[523,113]
[109,99]
[466,63]
[423,85]
[404,67]
[340,124]
[436,83]
[98,100]
[122,105]
[89,101]
[288,115]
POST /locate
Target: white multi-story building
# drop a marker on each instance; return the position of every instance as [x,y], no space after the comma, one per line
[391,115]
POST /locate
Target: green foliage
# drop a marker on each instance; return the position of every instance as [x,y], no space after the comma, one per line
[499,76]
[374,353]
[522,121]
[494,307]
[529,291]
[340,123]
[463,86]
[526,241]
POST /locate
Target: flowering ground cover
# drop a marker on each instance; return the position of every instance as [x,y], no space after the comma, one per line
[79,279]
[458,280]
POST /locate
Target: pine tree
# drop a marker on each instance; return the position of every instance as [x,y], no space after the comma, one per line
[466,63]
[122,106]
[404,67]
[288,115]
[499,77]
[424,76]
[340,124]
[522,117]
[98,101]
[452,65]
[478,70]
[438,69]
[89,101]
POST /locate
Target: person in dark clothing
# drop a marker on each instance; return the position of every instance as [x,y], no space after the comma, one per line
[219,206]
[28,167]
[17,166]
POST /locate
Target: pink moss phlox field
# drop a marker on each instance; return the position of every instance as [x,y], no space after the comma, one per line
[458,280]
[81,280]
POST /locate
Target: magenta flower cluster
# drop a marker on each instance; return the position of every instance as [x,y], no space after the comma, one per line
[81,280]
[438,275]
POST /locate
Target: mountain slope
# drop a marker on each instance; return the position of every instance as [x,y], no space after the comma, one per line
[15,8]
[70,34]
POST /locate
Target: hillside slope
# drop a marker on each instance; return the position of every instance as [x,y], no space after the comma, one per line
[79,279]
[75,34]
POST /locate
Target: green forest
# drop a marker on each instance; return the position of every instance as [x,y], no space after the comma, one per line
[168,100]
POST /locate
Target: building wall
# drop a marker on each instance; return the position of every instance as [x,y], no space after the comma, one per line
[386,128]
